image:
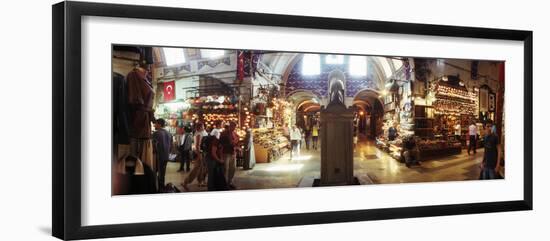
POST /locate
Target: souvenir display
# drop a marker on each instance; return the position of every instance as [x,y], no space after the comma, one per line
[269,144]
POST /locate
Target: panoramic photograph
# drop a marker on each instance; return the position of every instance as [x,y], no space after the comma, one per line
[188,119]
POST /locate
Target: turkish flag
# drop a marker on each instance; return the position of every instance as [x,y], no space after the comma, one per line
[169,90]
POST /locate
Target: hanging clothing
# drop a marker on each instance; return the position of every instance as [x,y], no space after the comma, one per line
[143,148]
[120,110]
[140,103]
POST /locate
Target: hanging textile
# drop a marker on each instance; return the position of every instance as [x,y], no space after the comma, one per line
[474,72]
[140,103]
[407,69]
[240,64]
[483,100]
[143,148]
[120,110]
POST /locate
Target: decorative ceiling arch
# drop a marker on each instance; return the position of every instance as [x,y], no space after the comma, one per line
[278,62]
[371,97]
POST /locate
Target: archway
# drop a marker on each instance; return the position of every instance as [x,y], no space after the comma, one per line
[306,106]
[370,113]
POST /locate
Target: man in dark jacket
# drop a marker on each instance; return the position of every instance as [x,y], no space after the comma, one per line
[162,141]
[491,157]
[184,149]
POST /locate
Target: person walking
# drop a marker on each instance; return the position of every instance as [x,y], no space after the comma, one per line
[217,130]
[295,137]
[491,156]
[199,169]
[229,141]
[315,135]
[307,137]
[162,142]
[214,158]
[472,133]
[185,146]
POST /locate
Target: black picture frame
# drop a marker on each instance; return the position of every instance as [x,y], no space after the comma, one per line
[66,88]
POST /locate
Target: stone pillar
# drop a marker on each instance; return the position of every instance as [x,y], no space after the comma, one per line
[337,135]
[337,146]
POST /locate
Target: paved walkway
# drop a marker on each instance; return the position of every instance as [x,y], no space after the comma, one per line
[371,166]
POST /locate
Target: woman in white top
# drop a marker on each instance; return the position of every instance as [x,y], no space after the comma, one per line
[472,133]
[295,137]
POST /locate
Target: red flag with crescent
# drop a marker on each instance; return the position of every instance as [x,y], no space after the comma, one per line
[169,90]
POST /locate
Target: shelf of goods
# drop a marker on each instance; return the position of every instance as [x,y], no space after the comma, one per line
[394,148]
[453,101]
[437,148]
[269,144]
[423,121]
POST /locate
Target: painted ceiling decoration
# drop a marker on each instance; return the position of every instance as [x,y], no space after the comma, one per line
[177,69]
[319,83]
[215,62]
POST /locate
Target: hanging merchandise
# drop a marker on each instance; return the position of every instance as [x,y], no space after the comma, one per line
[217,104]
[454,101]
[140,103]
[492,103]
[483,100]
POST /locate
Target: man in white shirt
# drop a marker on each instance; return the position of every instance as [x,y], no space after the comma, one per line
[295,137]
[472,133]
[217,130]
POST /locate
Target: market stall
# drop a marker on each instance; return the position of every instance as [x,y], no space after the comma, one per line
[269,144]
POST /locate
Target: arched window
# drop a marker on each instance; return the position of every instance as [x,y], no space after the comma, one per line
[173,56]
[212,53]
[311,64]
[358,65]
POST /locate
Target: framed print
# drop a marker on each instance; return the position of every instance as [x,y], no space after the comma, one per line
[263,120]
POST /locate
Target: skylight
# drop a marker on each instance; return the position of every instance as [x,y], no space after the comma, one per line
[173,56]
[358,65]
[311,64]
[385,66]
[334,59]
[212,53]
[397,63]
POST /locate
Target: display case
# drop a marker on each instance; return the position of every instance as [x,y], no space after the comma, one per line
[269,144]
[429,149]
[423,121]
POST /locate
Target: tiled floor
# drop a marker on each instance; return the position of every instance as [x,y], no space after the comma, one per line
[371,166]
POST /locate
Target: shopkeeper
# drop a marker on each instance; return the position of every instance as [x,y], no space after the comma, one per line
[392,132]
[457,131]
